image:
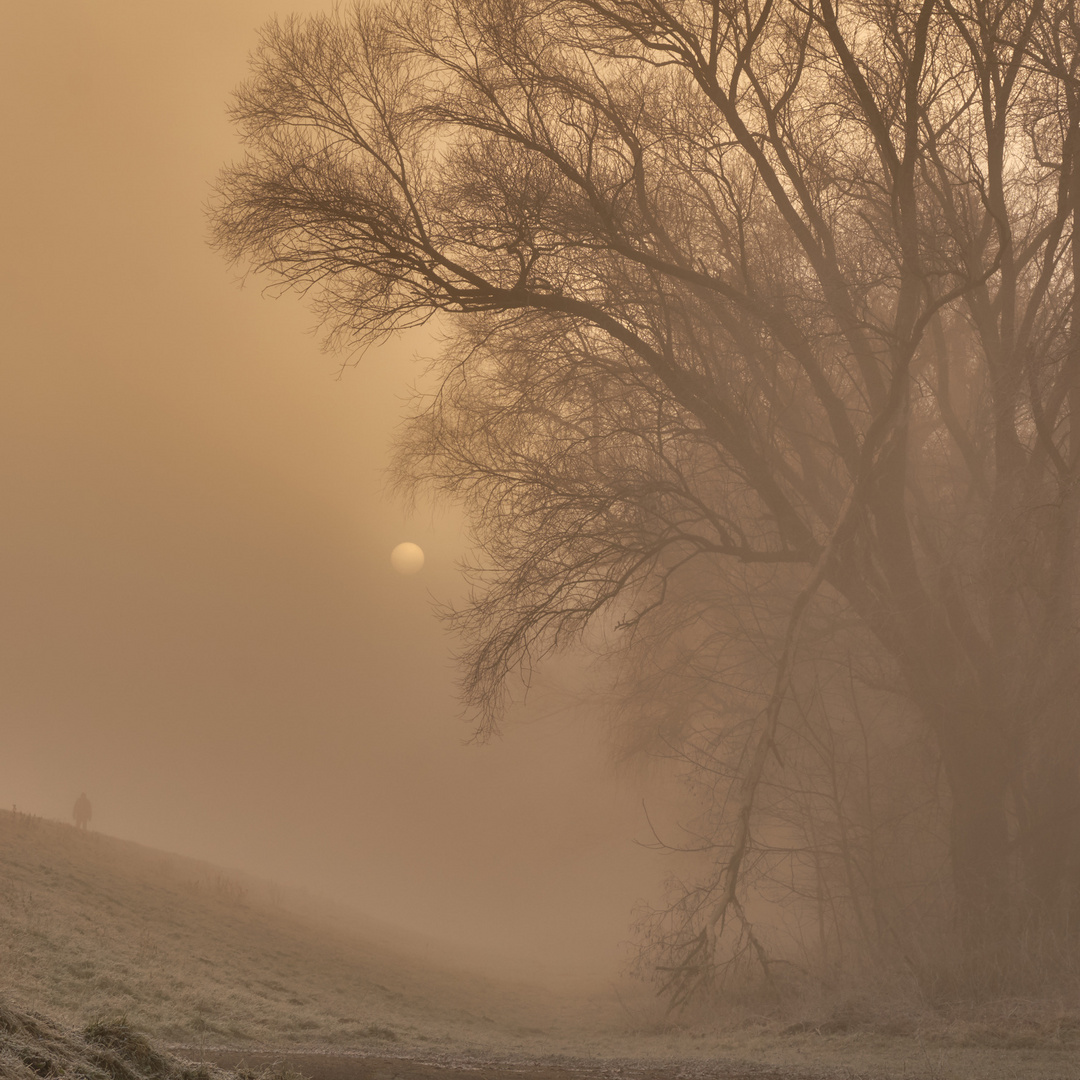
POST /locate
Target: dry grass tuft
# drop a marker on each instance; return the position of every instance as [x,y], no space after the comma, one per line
[33,1047]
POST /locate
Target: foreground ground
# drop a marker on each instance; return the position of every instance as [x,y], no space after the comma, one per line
[34,1046]
[768,1057]
[222,969]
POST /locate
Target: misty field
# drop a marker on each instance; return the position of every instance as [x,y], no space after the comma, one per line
[94,926]
[94,929]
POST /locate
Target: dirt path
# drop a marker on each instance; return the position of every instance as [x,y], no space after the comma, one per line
[338,1066]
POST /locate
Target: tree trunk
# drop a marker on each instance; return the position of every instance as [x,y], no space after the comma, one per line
[979,772]
[1050,839]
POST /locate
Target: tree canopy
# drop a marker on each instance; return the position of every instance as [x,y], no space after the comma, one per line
[753,311]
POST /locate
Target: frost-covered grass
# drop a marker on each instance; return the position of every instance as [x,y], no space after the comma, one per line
[93,929]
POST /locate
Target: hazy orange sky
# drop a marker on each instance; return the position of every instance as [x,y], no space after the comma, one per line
[201,627]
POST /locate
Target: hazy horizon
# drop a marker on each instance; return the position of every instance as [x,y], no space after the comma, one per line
[201,626]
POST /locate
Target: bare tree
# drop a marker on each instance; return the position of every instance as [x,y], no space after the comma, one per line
[780,284]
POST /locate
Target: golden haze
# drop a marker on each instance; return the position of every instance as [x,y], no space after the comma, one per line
[200,625]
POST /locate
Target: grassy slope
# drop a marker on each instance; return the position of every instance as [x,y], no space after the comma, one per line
[93,928]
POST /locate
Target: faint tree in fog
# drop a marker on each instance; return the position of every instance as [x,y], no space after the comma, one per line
[850,838]
[774,296]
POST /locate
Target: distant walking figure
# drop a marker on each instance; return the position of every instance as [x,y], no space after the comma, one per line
[82,811]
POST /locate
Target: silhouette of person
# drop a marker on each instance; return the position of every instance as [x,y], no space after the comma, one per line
[82,811]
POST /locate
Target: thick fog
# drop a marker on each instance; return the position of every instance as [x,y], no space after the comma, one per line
[201,626]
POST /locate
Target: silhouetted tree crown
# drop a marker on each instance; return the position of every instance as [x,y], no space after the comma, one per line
[776,292]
